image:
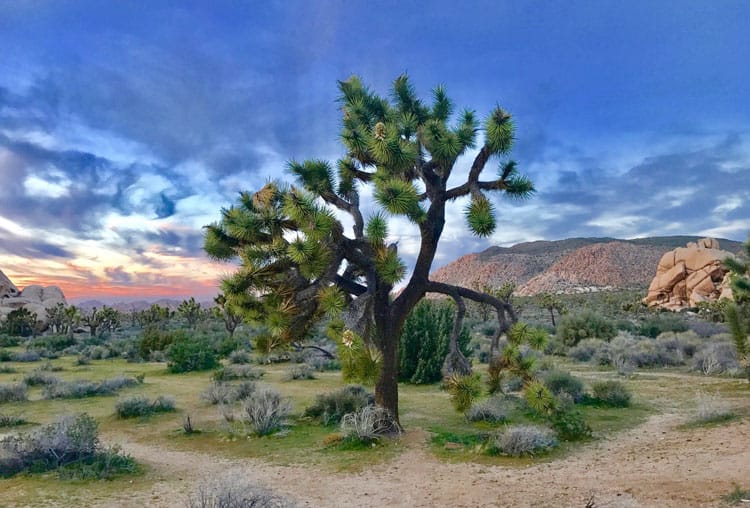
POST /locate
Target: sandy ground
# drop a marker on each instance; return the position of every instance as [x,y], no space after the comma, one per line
[652,465]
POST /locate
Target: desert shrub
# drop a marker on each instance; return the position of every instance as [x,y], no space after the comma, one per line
[9,340]
[235,491]
[96,352]
[139,406]
[237,372]
[219,393]
[301,371]
[715,358]
[493,410]
[330,407]
[51,342]
[70,444]
[239,356]
[4,369]
[244,390]
[48,366]
[154,338]
[266,411]
[519,440]
[610,393]
[705,329]
[27,356]
[368,424]
[81,388]
[7,420]
[463,390]
[39,377]
[187,355]
[711,408]
[563,382]
[425,340]
[13,392]
[322,364]
[657,324]
[569,424]
[5,355]
[683,343]
[572,329]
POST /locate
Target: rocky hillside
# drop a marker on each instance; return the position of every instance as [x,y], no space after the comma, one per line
[572,265]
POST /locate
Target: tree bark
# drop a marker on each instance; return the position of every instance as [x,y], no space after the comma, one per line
[386,387]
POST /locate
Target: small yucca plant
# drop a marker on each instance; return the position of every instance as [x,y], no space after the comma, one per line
[464,390]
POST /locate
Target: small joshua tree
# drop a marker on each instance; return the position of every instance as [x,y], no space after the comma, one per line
[738,312]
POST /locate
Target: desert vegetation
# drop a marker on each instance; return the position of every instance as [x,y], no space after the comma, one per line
[310,359]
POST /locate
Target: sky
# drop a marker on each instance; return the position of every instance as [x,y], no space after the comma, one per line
[125,127]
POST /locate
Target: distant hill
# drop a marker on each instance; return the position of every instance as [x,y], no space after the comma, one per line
[137,305]
[571,265]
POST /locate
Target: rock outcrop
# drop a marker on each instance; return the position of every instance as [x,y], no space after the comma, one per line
[689,275]
[36,299]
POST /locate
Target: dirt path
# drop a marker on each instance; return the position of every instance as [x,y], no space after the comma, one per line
[652,465]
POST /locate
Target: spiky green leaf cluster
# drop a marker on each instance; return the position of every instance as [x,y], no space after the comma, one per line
[376,229]
[480,216]
[399,197]
[332,300]
[499,131]
[389,266]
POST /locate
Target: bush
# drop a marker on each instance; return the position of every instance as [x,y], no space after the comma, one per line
[610,393]
[156,339]
[235,491]
[51,342]
[519,440]
[9,340]
[71,443]
[80,388]
[716,358]
[493,410]
[5,355]
[27,356]
[560,382]
[572,329]
[463,390]
[13,392]
[238,372]
[655,325]
[38,377]
[301,371]
[239,356]
[425,341]
[139,405]
[322,364]
[11,420]
[219,393]
[330,407]
[711,408]
[266,411]
[188,355]
[570,424]
[368,424]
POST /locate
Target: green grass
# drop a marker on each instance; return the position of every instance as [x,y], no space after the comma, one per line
[737,496]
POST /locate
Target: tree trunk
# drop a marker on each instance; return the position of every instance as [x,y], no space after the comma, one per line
[552,315]
[387,332]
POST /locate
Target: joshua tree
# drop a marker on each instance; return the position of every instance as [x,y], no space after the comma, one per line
[191,311]
[225,312]
[738,312]
[297,260]
[552,304]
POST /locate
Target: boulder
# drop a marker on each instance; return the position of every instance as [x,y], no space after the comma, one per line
[34,298]
[7,288]
[689,275]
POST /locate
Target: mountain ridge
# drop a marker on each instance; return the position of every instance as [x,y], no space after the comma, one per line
[569,265]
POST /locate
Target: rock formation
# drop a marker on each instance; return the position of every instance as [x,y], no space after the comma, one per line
[36,299]
[689,275]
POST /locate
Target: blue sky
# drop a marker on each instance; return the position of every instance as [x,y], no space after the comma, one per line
[126,126]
